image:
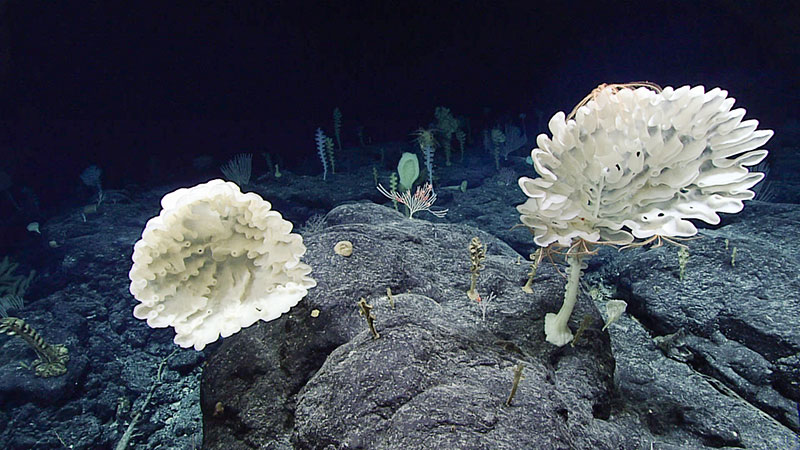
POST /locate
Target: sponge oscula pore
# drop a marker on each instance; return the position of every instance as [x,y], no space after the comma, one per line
[214,261]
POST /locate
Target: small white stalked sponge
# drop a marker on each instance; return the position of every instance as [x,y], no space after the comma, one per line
[215,261]
[637,163]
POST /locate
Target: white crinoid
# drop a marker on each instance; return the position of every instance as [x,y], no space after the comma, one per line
[638,163]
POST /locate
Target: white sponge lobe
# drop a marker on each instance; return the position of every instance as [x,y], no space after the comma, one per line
[635,163]
[214,261]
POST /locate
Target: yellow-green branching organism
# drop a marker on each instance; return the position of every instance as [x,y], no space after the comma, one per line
[52,360]
[477,253]
[366,311]
[536,258]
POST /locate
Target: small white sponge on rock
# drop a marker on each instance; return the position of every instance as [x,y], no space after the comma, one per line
[636,163]
[215,261]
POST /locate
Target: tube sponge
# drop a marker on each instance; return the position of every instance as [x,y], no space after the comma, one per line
[215,261]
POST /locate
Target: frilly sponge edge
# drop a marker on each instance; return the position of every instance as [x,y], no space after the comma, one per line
[635,163]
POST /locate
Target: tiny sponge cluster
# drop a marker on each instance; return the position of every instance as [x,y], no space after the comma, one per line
[214,261]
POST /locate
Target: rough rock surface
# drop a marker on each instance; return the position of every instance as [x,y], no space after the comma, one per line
[438,375]
[733,321]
